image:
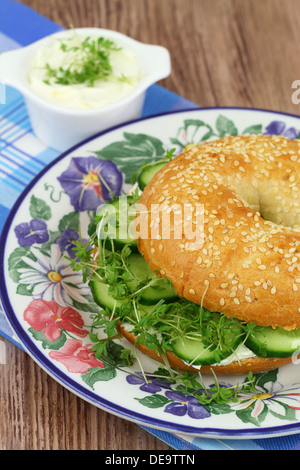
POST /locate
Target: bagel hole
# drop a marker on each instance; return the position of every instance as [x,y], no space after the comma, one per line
[274,202]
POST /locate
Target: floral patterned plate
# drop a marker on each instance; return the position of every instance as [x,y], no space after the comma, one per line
[50,308]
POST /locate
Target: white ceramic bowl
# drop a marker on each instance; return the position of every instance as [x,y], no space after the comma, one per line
[60,127]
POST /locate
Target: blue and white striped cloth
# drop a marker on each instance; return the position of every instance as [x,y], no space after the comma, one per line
[22,156]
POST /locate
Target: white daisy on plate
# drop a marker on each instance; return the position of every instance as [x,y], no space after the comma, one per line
[51,277]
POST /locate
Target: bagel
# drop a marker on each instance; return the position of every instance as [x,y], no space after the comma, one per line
[248,264]
[250,258]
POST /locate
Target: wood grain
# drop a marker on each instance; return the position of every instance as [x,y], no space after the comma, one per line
[224,53]
[37,413]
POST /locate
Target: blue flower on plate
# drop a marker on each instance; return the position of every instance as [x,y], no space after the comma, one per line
[151,385]
[279,128]
[67,241]
[89,182]
[185,404]
[32,232]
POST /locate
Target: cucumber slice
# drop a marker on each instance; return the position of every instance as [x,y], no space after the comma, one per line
[117,223]
[102,297]
[161,289]
[147,174]
[269,342]
[193,350]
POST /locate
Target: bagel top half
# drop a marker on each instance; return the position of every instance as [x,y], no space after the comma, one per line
[248,264]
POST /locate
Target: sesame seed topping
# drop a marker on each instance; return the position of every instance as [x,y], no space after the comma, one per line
[249,188]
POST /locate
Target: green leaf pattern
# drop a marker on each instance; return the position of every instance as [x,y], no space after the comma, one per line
[39,209]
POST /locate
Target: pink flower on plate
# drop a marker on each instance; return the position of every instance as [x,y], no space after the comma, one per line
[77,358]
[50,318]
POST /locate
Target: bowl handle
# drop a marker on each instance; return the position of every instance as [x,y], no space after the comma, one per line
[156,61]
[162,62]
[13,66]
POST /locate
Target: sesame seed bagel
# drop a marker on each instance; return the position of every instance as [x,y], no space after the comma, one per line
[248,264]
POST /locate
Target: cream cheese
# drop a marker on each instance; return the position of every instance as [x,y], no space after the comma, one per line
[242,352]
[126,73]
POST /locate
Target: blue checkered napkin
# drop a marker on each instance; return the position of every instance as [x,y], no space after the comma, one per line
[22,156]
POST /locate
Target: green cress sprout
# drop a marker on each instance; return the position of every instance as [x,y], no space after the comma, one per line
[90,62]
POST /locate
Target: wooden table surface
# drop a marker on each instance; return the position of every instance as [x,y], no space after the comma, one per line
[224,53]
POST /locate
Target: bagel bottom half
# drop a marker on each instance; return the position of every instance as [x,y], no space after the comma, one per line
[253,364]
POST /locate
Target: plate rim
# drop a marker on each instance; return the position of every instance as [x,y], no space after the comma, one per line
[72,385]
